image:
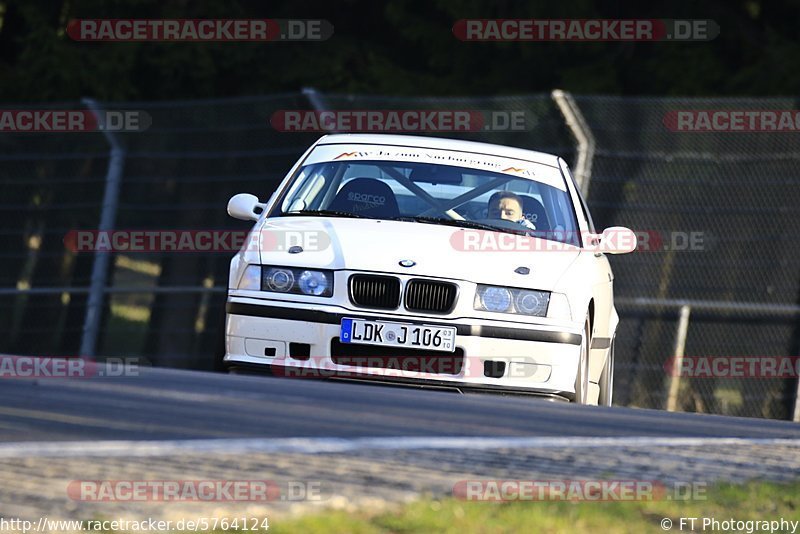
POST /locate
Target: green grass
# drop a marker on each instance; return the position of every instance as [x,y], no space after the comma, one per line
[752,501]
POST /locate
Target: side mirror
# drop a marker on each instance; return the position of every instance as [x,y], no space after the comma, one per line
[244,205]
[618,240]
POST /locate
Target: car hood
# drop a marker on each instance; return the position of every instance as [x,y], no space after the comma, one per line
[436,250]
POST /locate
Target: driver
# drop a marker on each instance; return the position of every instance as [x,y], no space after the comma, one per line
[508,206]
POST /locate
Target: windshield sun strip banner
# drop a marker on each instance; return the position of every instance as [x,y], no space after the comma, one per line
[513,167]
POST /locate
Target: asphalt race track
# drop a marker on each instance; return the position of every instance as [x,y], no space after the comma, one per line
[162,404]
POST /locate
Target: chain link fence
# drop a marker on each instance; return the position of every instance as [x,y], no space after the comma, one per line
[738,191]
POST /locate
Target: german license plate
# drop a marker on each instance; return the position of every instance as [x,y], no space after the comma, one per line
[388,334]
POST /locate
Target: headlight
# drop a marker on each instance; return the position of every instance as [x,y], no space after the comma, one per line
[495,299]
[313,283]
[251,278]
[511,300]
[298,281]
[532,302]
[278,280]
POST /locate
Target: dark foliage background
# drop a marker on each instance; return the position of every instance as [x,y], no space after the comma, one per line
[395,48]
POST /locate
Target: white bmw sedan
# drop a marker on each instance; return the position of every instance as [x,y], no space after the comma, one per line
[431,262]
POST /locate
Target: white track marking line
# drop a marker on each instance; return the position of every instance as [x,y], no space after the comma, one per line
[337,445]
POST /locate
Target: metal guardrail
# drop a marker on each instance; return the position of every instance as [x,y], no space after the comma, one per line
[112,290]
[712,305]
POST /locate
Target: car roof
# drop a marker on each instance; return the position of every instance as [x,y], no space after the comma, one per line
[441,143]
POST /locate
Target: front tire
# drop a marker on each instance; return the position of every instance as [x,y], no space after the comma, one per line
[607,378]
[582,377]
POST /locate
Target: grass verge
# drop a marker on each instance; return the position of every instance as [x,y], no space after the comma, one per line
[754,501]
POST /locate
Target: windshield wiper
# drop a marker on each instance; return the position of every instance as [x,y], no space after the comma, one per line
[329,213]
[460,223]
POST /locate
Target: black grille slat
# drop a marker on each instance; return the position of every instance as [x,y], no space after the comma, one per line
[371,291]
[430,296]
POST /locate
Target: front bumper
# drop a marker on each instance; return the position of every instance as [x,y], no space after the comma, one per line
[526,358]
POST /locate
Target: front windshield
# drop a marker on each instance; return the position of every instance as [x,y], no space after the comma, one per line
[433,194]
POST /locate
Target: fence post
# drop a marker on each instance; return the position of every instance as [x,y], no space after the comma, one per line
[796,415]
[677,357]
[317,101]
[108,214]
[583,134]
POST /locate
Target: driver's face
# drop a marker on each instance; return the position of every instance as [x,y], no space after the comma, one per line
[507,208]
